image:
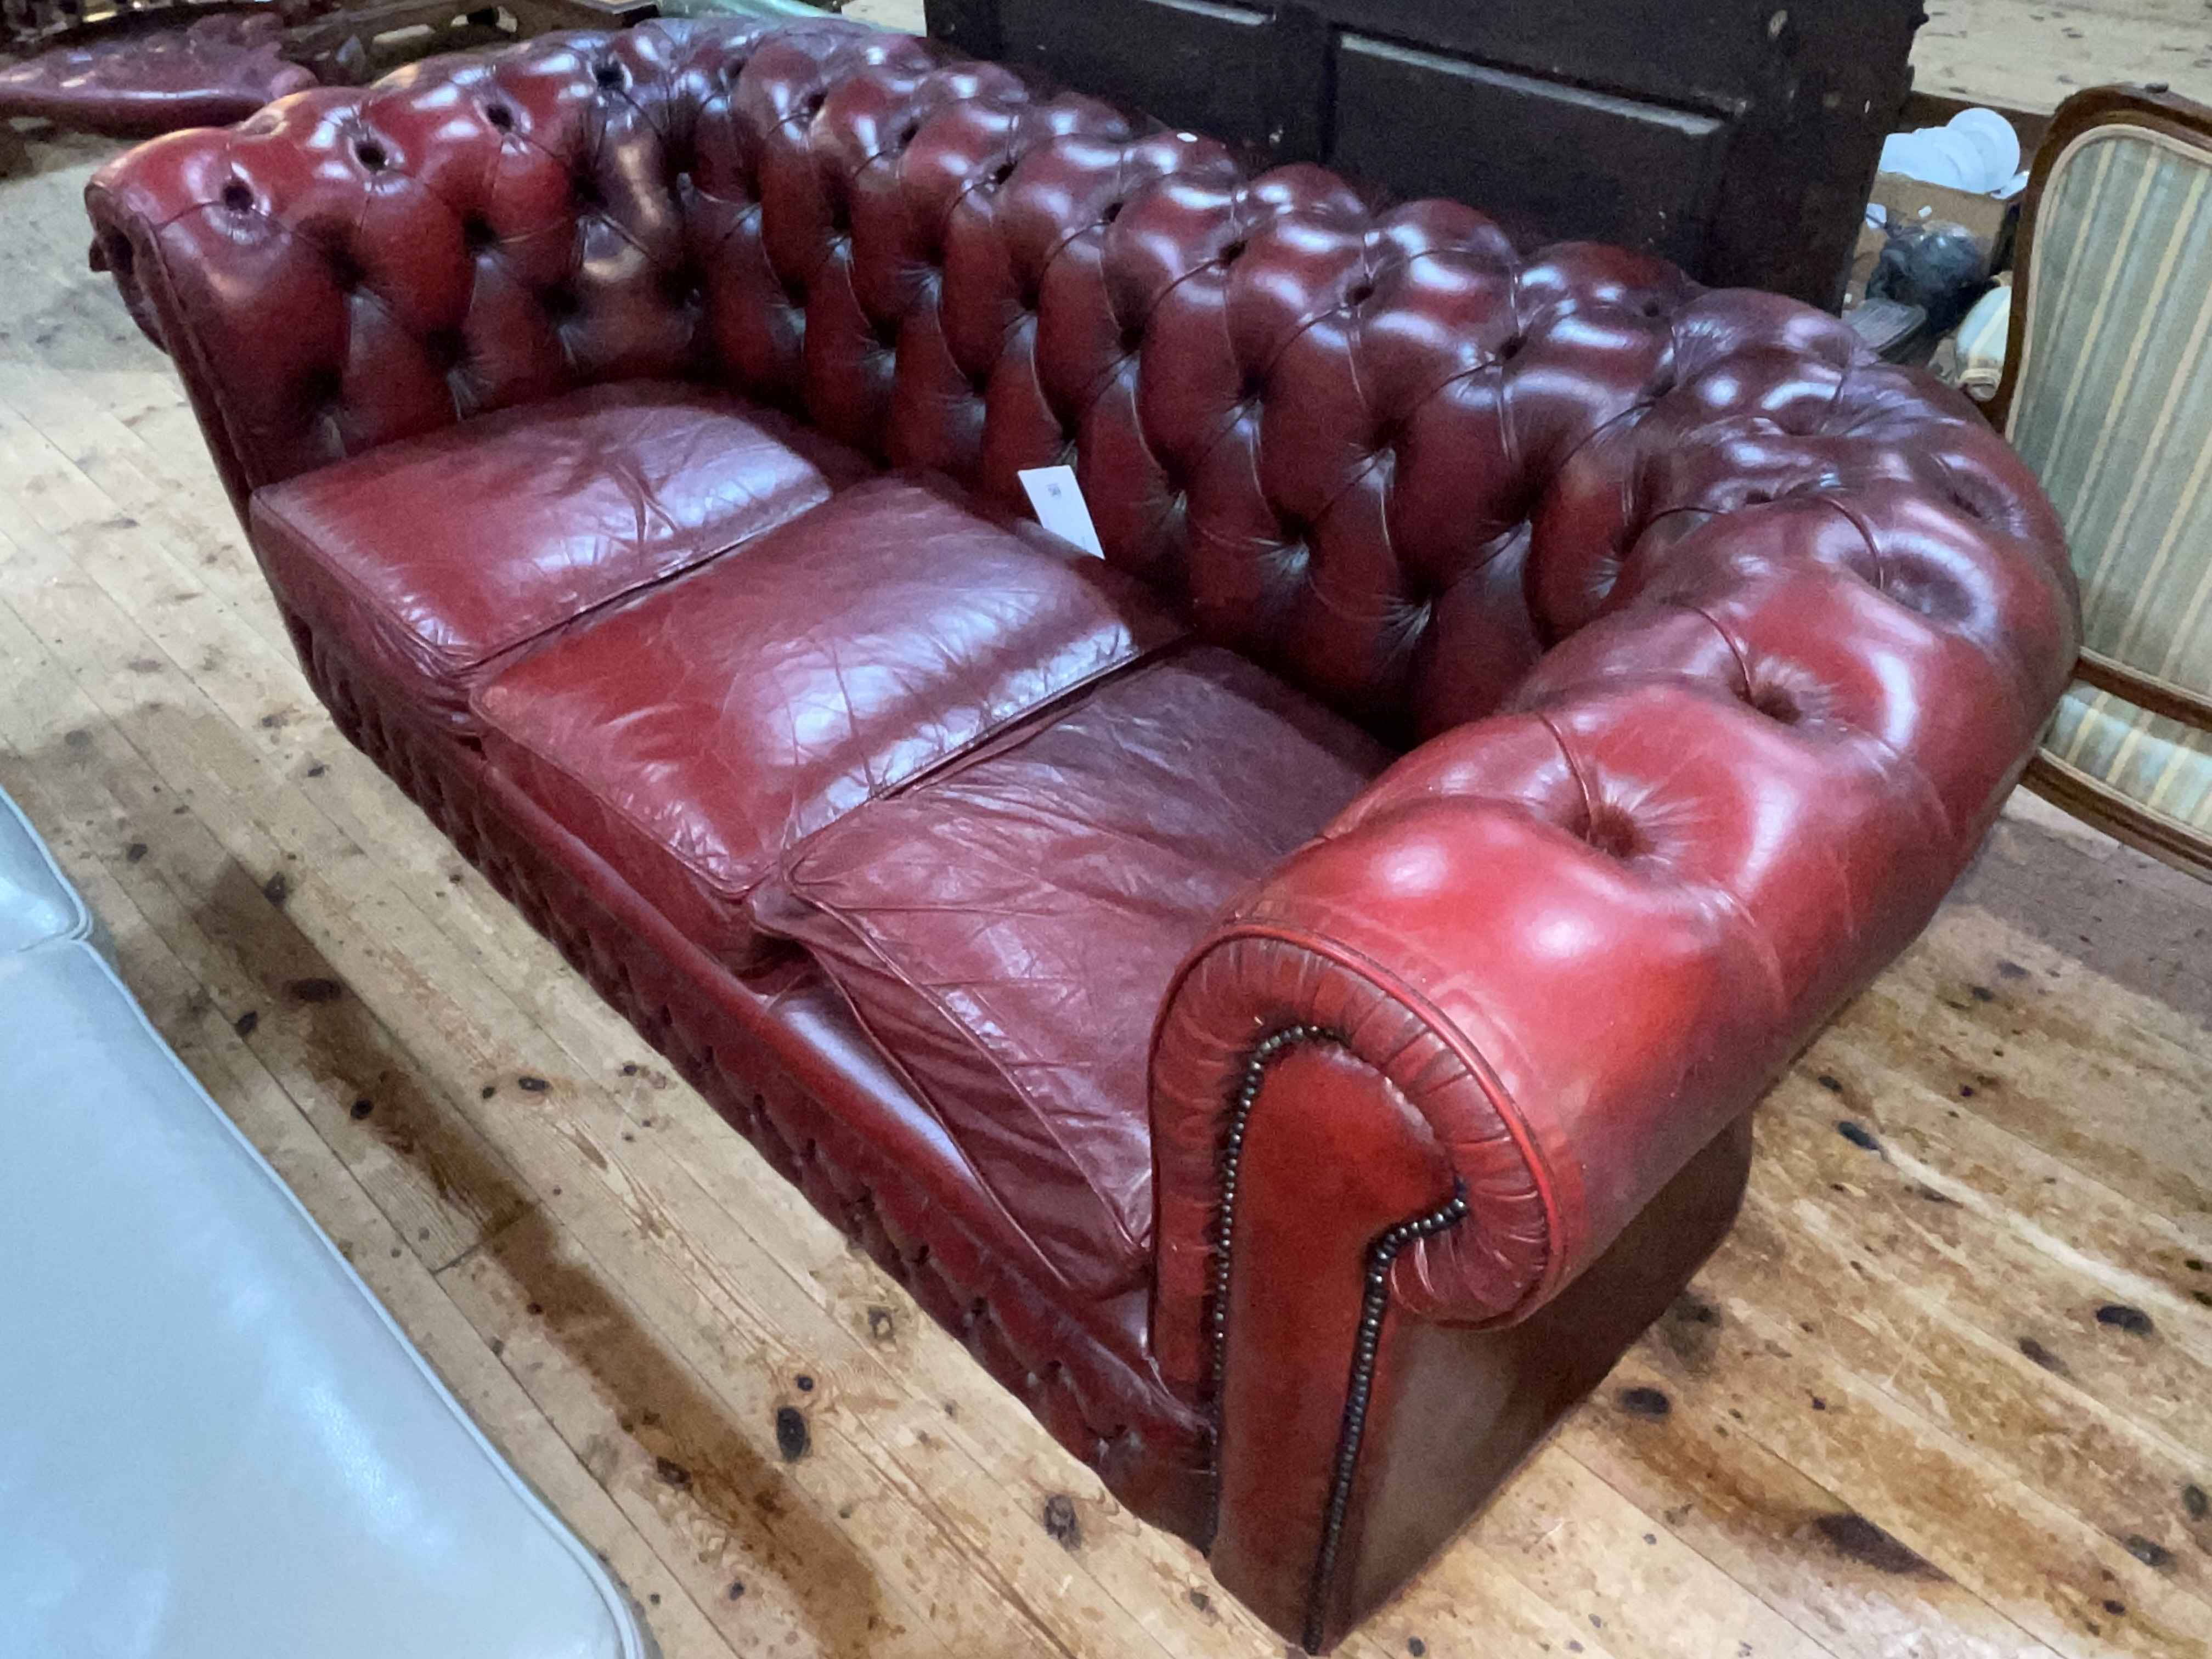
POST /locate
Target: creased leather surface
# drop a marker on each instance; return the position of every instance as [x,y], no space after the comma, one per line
[1005,931]
[694,735]
[436,555]
[140,81]
[782,1058]
[1714,641]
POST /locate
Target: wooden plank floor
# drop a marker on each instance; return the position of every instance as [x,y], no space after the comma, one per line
[2032,54]
[1947,1390]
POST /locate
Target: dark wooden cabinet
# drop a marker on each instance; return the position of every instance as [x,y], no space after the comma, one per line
[1737,137]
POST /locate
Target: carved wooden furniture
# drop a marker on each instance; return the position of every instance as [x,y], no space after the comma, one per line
[2108,394]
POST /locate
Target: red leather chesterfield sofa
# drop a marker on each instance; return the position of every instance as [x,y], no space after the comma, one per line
[1289,993]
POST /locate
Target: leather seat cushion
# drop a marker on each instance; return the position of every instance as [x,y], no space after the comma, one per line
[138,83]
[434,557]
[1006,931]
[692,737]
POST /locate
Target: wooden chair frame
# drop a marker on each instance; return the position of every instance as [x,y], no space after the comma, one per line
[2188,124]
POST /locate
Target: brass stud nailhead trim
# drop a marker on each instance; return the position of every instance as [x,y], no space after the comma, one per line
[1375,1301]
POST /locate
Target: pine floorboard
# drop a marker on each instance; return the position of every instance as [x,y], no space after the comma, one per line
[1946,1391]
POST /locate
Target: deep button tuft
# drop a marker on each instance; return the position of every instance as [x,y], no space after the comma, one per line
[346,272]
[1776,703]
[500,117]
[607,75]
[1231,253]
[1511,347]
[1001,172]
[320,390]
[584,189]
[445,348]
[371,155]
[1360,294]
[1110,212]
[477,232]
[811,105]
[680,287]
[238,196]
[1611,831]
[560,302]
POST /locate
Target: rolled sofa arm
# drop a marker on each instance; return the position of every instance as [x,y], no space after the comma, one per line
[1425,1101]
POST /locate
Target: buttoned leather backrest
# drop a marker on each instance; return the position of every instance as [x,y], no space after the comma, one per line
[1380,452]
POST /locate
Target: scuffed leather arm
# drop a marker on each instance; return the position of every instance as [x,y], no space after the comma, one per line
[1441,1058]
[1576,938]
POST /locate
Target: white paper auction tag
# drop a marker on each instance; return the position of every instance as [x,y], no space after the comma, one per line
[1057,501]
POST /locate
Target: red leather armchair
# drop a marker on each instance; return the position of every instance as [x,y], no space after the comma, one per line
[1289,996]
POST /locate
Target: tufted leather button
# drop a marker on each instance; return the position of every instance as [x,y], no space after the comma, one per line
[477,233]
[681,287]
[319,390]
[371,155]
[238,196]
[445,348]
[607,75]
[1776,703]
[499,117]
[1606,829]
[346,272]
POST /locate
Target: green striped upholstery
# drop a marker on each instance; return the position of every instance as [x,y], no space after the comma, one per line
[2113,409]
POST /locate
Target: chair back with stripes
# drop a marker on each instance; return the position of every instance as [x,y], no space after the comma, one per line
[2108,396]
